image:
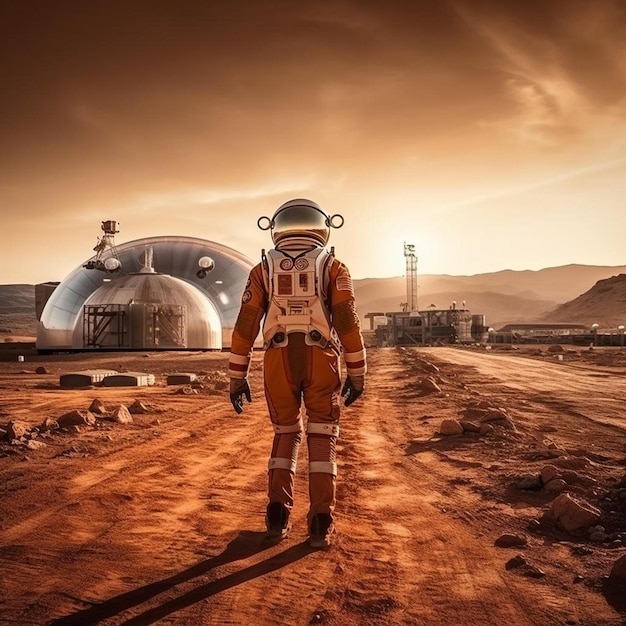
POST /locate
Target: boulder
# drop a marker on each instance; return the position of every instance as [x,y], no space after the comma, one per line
[138,408]
[41,370]
[511,541]
[122,415]
[618,572]
[573,514]
[557,485]
[77,417]
[469,426]
[451,427]
[548,473]
[97,407]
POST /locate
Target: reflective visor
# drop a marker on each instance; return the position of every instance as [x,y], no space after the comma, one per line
[300,221]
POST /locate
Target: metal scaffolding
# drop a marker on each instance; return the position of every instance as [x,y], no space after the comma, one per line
[411,277]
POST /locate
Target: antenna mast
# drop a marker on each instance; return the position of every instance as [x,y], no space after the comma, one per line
[411,277]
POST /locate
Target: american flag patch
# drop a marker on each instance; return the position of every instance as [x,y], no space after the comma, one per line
[344,283]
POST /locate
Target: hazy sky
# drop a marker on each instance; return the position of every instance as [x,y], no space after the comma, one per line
[489,134]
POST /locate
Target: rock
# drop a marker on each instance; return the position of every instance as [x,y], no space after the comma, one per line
[97,407]
[49,424]
[573,514]
[529,483]
[516,561]
[486,429]
[548,473]
[570,462]
[138,408]
[34,444]
[17,429]
[187,391]
[122,415]
[77,417]
[598,537]
[474,412]
[429,385]
[511,541]
[556,348]
[451,427]
[41,370]
[556,486]
[618,572]
[494,415]
[532,571]
[574,478]
[469,426]
[506,424]
[427,366]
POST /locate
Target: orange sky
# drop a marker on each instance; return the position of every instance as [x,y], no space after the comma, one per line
[490,134]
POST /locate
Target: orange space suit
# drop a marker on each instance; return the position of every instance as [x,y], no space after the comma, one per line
[306,298]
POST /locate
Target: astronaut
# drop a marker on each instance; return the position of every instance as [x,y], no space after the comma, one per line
[305,298]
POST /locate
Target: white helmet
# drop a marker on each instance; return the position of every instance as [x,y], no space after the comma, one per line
[301,219]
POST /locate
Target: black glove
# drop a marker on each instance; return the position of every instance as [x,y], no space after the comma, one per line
[238,389]
[352,389]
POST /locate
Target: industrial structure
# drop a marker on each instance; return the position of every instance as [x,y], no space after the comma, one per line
[414,326]
[411,278]
[158,293]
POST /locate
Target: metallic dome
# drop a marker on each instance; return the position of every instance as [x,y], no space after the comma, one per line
[176,256]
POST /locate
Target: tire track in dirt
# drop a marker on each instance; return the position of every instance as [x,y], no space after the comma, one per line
[436,463]
[166,525]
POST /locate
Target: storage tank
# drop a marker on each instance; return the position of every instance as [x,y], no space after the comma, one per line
[479,328]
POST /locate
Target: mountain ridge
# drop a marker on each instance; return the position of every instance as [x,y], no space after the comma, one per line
[504,296]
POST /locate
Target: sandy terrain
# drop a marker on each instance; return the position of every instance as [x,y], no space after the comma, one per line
[161,520]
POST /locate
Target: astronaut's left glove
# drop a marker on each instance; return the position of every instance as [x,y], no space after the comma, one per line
[352,389]
[238,389]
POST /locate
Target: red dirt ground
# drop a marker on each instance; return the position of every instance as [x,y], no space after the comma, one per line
[161,521]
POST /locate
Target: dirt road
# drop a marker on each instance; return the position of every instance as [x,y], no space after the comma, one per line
[161,521]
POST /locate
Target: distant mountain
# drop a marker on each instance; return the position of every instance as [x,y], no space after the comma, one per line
[603,304]
[570,293]
[17,310]
[503,297]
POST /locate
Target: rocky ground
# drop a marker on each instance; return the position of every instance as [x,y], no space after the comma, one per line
[476,487]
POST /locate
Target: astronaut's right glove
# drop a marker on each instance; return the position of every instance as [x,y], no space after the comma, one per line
[352,389]
[238,389]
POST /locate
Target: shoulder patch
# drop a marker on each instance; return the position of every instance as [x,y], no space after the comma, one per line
[247,296]
[344,283]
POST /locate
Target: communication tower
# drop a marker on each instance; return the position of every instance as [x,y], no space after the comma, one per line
[411,277]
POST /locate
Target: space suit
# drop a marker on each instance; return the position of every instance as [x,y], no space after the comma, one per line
[305,298]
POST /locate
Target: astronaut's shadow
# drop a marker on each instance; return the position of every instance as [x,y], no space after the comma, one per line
[246,544]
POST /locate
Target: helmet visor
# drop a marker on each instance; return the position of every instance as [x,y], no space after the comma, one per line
[301,221]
